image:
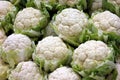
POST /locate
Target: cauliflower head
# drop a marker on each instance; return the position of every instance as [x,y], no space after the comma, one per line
[4,68]
[107,21]
[63,73]
[16,48]
[50,53]
[5,7]
[92,58]
[90,54]
[26,71]
[7,15]
[30,21]
[69,23]
[2,36]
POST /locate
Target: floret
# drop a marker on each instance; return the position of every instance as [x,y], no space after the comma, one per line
[26,71]
[30,21]
[63,73]
[16,48]
[50,53]
[69,23]
[107,21]
[91,58]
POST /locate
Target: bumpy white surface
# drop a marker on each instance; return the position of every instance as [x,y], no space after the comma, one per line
[27,18]
[69,2]
[5,7]
[97,4]
[25,71]
[2,36]
[51,48]
[118,70]
[70,22]
[63,73]
[17,43]
[90,54]
[107,21]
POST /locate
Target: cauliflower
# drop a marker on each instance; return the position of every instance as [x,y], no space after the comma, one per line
[26,71]
[63,73]
[91,56]
[2,36]
[69,23]
[107,21]
[30,21]
[112,5]
[118,70]
[16,48]
[7,15]
[50,53]
[5,7]
[79,4]
[3,70]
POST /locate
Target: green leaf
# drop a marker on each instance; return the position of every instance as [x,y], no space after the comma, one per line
[30,3]
[20,4]
[114,41]
[7,22]
[115,8]
[13,56]
[104,68]
[82,5]
[60,7]
[113,75]
[84,36]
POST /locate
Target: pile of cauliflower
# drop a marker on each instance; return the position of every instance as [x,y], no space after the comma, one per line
[59,39]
